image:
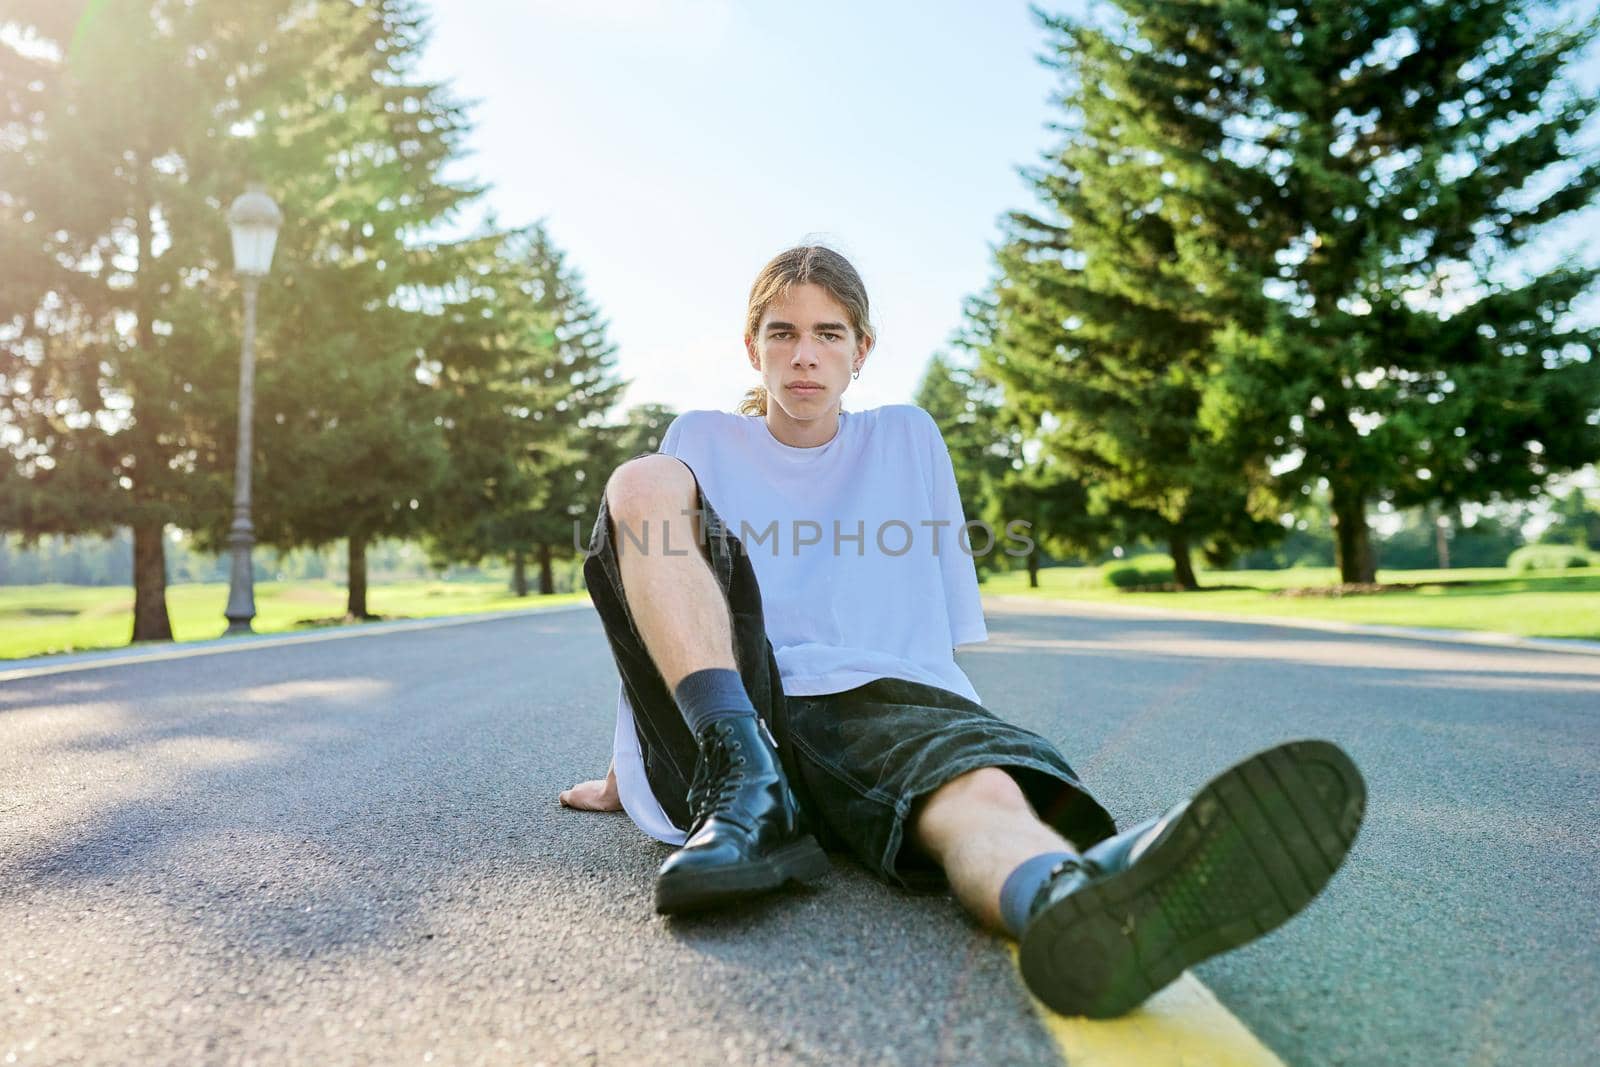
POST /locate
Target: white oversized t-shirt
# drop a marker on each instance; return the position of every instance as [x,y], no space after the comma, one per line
[859,549]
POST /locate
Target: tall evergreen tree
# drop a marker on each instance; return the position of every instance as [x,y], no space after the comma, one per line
[642,429]
[118,154]
[1101,323]
[965,417]
[350,434]
[1029,502]
[527,376]
[1395,158]
[966,408]
[575,474]
[130,127]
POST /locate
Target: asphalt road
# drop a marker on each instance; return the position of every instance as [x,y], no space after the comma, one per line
[352,851]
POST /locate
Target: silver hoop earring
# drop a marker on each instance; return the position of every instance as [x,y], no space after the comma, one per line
[857,374]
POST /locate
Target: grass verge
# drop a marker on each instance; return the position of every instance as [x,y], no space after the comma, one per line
[37,620]
[41,619]
[1555,604]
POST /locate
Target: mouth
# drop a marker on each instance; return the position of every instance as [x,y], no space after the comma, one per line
[804,387]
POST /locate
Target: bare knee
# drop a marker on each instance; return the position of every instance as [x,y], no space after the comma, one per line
[961,798]
[650,486]
[984,787]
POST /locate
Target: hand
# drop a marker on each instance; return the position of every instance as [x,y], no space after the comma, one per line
[597,795]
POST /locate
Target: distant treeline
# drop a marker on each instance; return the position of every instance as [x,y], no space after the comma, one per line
[107,560]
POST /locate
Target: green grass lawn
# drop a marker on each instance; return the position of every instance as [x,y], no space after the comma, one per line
[1539,604]
[40,619]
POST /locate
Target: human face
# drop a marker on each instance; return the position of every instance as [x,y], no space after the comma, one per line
[805,338]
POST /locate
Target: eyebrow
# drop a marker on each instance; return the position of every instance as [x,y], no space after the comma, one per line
[838,327]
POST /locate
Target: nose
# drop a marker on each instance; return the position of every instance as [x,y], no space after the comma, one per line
[805,353]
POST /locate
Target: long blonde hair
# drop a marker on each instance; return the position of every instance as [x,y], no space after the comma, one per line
[817,265]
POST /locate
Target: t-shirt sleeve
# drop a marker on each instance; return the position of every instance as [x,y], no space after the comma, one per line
[955,562]
[669,440]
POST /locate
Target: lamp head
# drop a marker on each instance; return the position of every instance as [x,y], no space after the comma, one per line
[254,220]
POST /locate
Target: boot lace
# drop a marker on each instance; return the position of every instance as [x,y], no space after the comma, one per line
[717,776]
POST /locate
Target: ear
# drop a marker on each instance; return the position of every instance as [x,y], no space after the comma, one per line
[863,347]
[750,349]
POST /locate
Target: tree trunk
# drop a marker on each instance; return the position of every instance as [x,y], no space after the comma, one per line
[1352,544]
[150,620]
[547,578]
[357,606]
[1441,538]
[1182,566]
[519,573]
[1033,569]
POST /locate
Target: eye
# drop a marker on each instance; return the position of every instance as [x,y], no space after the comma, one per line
[831,336]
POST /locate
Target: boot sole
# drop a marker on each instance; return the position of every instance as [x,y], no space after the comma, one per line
[1254,847]
[800,861]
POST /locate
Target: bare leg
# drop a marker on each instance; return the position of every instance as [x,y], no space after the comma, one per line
[679,609]
[979,827]
[674,598]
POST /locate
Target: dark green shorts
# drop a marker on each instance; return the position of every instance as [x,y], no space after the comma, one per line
[858,760]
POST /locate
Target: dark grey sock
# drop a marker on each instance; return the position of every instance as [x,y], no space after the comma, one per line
[711,695]
[1022,885]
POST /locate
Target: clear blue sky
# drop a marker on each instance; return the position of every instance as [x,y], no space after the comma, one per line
[672,147]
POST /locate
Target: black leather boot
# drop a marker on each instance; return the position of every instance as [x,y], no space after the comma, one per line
[1248,851]
[746,836]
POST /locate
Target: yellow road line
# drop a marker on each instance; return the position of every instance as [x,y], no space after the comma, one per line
[263,641]
[1184,1025]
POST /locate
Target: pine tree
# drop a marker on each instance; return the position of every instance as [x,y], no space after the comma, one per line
[117,159]
[1258,210]
[1100,327]
[949,393]
[1398,158]
[350,433]
[574,472]
[130,129]
[965,408]
[528,375]
[642,429]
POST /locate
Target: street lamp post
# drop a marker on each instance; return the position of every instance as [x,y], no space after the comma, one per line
[254,220]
